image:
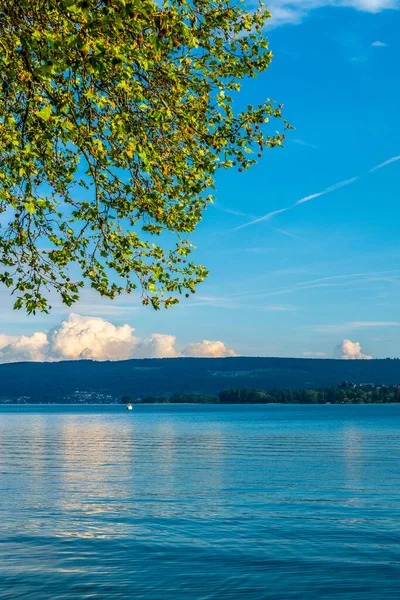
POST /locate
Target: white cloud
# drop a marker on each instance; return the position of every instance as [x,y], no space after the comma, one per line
[303,143]
[208,349]
[266,217]
[352,351]
[273,213]
[26,348]
[328,190]
[87,337]
[91,337]
[159,345]
[372,6]
[314,354]
[332,188]
[379,44]
[287,233]
[387,162]
[231,211]
[4,340]
[286,12]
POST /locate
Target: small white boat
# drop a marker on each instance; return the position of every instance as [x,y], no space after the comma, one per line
[129,407]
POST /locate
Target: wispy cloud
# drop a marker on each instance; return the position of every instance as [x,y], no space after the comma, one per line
[307,199]
[273,213]
[303,143]
[211,301]
[359,59]
[266,217]
[99,309]
[314,354]
[379,44]
[285,12]
[231,211]
[332,280]
[342,327]
[327,190]
[332,188]
[387,162]
[287,233]
[254,298]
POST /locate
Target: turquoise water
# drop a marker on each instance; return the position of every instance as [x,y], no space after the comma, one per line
[200,502]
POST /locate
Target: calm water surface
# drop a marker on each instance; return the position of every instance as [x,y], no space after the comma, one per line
[162,503]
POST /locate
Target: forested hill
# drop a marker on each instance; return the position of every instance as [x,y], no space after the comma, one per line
[107,381]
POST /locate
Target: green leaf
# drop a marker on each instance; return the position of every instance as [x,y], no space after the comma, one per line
[45,113]
[114,120]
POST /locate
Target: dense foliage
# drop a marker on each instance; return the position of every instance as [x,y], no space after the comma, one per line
[344,394]
[114,117]
[80,380]
[176,398]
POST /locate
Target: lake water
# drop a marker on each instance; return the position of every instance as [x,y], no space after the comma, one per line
[200,502]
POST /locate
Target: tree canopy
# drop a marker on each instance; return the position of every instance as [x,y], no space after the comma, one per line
[114,117]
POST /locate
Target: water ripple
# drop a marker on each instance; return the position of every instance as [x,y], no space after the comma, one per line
[200,503]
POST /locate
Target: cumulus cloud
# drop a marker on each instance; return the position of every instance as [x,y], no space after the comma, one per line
[378,44]
[208,349]
[159,345]
[352,351]
[85,337]
[91,337]
[26,348]
[4,340]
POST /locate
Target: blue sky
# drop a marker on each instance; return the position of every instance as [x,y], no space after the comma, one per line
[299,282]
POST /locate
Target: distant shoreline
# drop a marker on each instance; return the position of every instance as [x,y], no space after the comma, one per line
[346,393]
[117,404]
[269,378]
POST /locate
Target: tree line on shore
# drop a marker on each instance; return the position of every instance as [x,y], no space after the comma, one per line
[346,393]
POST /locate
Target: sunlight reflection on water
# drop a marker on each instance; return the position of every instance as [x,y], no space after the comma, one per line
[200,502]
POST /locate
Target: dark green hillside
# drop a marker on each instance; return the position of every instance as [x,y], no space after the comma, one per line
[59,382]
